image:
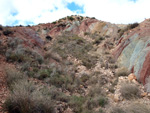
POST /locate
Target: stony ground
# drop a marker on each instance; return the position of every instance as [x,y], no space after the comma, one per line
[103,74]
[3,88]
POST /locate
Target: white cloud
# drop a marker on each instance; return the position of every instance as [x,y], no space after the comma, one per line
[43,11]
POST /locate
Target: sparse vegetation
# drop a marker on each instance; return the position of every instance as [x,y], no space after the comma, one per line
[25,98]
[48,38]
[134,25]
[1,27]
[7,32]
[122,72]
[98,40]
[70,73]
[77,103]
[70,18]
[77,47]
[137,108]
[102,101]
[129,91]
[86,33]
[128,27]
[12,76]
[54,22]
[117,110]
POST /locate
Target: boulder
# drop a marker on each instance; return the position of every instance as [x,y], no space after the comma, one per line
[131,77]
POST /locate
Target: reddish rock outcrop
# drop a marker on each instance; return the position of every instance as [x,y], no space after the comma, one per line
[133,51]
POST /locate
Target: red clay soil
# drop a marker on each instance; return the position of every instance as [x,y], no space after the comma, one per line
[3,88]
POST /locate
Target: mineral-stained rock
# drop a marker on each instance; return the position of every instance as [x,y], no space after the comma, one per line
[133,51]
[131,77]
[144,94]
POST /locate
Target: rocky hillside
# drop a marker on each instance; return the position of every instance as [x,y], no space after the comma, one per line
[133,53]
[74,65]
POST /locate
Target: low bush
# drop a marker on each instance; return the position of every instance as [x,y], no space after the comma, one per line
[98,40]
[129,91]
[44,74]
[96,90]
[75,46]
[54,22]
[86,33]
[134,25]
[61,80]
[96,102]
[15,57]
[25,98]
[12,76]
[77,103]
[92,103]
[52,55]
[48,37]
[117,110]
[102,101]
[70,18]
[7,32]
[138,108]
[128,27]
[55,94]
[84,78]
[122,72]
[1,27]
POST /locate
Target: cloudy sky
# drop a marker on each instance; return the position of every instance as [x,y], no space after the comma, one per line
[32,12]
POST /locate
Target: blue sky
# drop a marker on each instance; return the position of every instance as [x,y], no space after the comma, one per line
[24,12]
[74,7]
[134,0]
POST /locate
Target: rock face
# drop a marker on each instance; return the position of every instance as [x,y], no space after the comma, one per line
[78,27]
[133,51]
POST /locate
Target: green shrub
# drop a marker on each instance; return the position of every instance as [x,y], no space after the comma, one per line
[117,110]
[15,57]
[52,55]
[1,27]
[93,80]
[84,77]
[129,91]
[113,66]
[86,33]
[111,60]
[131,26]
[77,103]
[122,72]
[89,61]
[31,73]
[95,90]
[16,52]
[61,80]
[25,66]
[54,22]
[102,101]
[75,46]
[70,18]
[92,103]
[128,27]
[95,102]
[138,108]
[55,94]
[25,98]
[7,32]
[98,40]
[44,74]
[12,76]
